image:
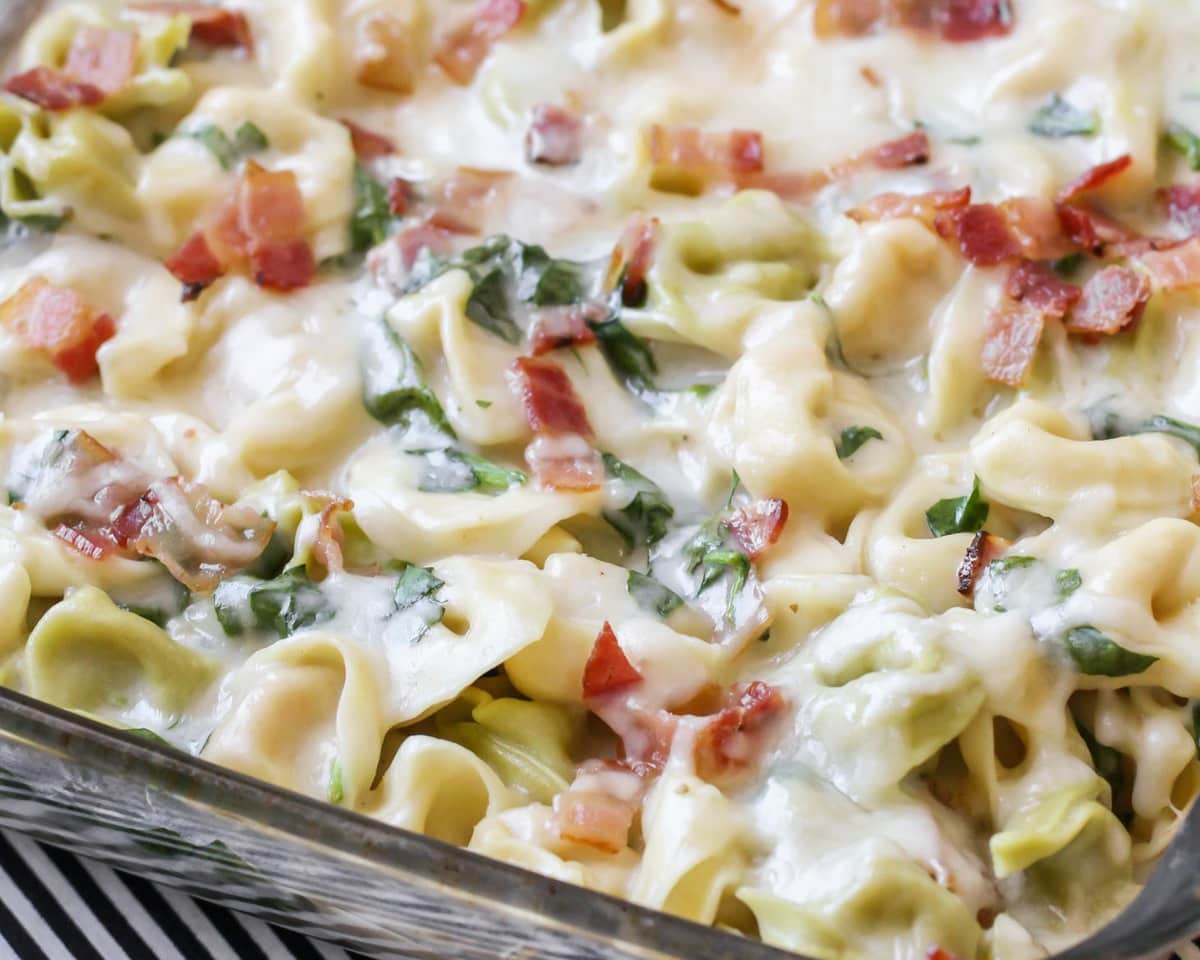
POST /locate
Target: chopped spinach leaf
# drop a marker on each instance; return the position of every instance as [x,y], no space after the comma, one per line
[652,595]
[1067,582]
[394,387]
[958,514]
[488,306]
[372,217]
[853,438]
[483,404]
[1097,655]
[1187,432]
[273,560]
[716,563]
[1109,764]
[416,593]
[1059,118]
[142,733]
[249,138]
[629,357]
[1183,140]
[643,519]
[1004,564]
[453,471]
[1067,266]
[285,604]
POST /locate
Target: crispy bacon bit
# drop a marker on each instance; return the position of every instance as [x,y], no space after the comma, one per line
[939,953]
[632,257]
[1036,226]
[594,819]
[194,265]
[566,326]
[758,525]
[387,54]
[402,196]
[871,76]
[421,236]
[261,228]
[83,542]
[1040,287]
[687,159]
[1112,300]
[1182,203]
[905,152]
[608,670]
[1094,232]
[554,137]
[197,538]
[981,232]
[467,46]
[52,89]
[983,549]
[1175,268]
[102,57]
[921,206]
[958,21]
[565,461]
[964,21]
[731,741]
[213,26]
[551,404]
[367,144]
[327,545]
[463,199]
[1011,338]
[55,319]
[1093,178]
[726,7]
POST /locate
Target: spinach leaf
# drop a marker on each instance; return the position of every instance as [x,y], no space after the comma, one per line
[1106,424]
[416,594]
[652,595]
[142,733]
[1004,564]
[1187,432]
[285,604]
[394,387]
[1109,765]
[1182,139]
[1067,266]
[643,519]
[1059,118]
[853,438]
[628,356]
[1067,582]
[247,139]
[372,217]
[958,514]
[488,306]
[1097,655]
[453,471]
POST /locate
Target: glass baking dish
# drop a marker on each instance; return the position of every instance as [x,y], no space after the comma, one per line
[333,874]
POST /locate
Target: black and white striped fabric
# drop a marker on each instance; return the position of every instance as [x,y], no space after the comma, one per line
[54,906]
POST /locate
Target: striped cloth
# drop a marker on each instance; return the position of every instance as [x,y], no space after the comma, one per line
[54,906]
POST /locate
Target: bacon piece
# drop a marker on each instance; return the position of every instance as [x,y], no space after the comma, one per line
[983,549]
[1093,178]
[921,206]
[1036,226]
[594,819]
[194,265]
[1182,203]
[565,326]
[213,26]
[271,217]
[327,545]
[733,739]
[1176,268]
[554,137]
[1094,232]
[632,257]
[608,670]
[367,144]
[101,57]
[463,199]
[981,232]
[1112,300]
[564,462]
[1011,338]
[56,320]
[387,53]
[551,404]
[906,151]
[939,953]
[964,21]
[726,7]
[197,538]
[84,542]
[758,525]
[402,196]
[468,45]
[421,236]
[687,159]
[1040,287]
[52,89]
